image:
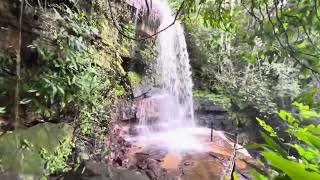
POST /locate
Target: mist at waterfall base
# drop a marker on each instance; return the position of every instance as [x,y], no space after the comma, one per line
[173,128]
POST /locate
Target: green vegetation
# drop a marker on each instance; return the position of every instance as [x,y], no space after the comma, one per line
[134,78]
[214,98]
[74,76]
[20,150]
[78,74]
[263,55]
[57,162]
[279,153]
[233,58]
[2,110]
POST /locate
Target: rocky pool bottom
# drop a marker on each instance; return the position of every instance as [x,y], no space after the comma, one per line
[181,154]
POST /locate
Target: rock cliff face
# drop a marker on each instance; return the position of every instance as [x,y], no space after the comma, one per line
[207,114]
[210,115]
[9,27]
[125,110]
[20,149]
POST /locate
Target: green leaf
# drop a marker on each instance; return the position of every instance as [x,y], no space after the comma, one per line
[25,101]
[235,176]
[306,153]
[2,110]
[293,169]
[284,115]
[310,114]
[255,146]
[266,127]
[315,130]
[302,45]
[301,107]
[305,136]
[32,91]
[250,58]
[273,145]
[258,176]
[54,92]
[61,90]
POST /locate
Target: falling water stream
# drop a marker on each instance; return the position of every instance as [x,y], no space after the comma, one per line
[174,127]
[166,119]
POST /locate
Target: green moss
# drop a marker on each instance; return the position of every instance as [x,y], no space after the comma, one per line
[119,90]
[20,150]
[147,54]
[135,78]
[214,98]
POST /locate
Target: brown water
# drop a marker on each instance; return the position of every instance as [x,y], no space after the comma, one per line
[171,161]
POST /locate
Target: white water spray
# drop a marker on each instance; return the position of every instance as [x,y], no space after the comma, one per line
[173,105]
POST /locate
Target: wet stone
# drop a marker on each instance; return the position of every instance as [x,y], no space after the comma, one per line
[133,131]
[188,163]
[91,170]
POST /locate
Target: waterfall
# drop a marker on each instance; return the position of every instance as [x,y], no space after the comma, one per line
[172,106]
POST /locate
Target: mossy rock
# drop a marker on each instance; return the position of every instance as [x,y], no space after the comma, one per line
[134,78]
[20,150]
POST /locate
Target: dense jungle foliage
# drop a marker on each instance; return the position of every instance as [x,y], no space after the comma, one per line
[258,59]
[72,74]
[263,56]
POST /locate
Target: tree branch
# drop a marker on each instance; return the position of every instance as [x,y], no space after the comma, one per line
[115,23]
[148,9]
[291,51]
[18,70]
